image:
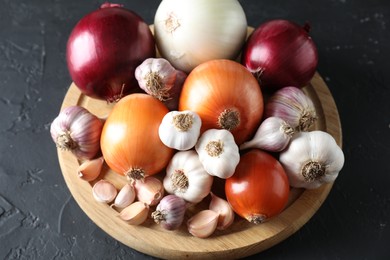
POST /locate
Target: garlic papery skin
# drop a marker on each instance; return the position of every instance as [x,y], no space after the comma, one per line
[293,106]
[186,178]
[156,76]
[125,196]
[218,152]
[104,191]
[89,170]
[149,190]
[173,102]
[77,130]
[169,212]
[135,214]
[273,135]
[180,130]
[312,159]
[224,210]
[203,224]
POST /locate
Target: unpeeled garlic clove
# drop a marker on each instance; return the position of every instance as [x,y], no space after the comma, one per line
[90,170]
[104,191]
[135,214]
[150,190]
[125,196]
[225,211]
[203,224]
[273,135]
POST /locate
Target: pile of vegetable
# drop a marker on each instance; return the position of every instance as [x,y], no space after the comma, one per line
[192,114]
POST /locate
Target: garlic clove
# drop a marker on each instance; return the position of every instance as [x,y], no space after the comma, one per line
[203,224]
[104,191]
[90,170]
[135,214]
[150,190]
[125,196]
[225,211]
[273,135]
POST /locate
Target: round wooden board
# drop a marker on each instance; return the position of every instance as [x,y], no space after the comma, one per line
[241,239]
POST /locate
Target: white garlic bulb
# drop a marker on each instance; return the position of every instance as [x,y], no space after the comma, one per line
[180,130]
[312,159]
[293,106]
[218,152]
[273,135]
[186,178]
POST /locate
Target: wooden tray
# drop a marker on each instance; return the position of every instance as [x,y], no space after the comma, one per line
[241,239]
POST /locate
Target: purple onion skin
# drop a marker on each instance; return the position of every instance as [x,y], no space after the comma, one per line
[281,53]
[104,49]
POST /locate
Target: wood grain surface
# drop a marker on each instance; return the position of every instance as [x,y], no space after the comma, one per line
[241,239]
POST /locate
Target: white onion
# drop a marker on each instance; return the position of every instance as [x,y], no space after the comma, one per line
[191,32]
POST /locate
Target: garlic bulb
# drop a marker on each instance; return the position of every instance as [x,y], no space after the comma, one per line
[156,76]
[77,130]
[186,178]
[293,106]
[218,152]
[224,210]
[180,130]
[203,224]
[312,159]
[125,196]
[173,102]
[149,190]
[104,191]
[273,135]
[90,169]
[170,212]
[135,214]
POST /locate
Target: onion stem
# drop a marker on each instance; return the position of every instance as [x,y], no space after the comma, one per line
[229,119]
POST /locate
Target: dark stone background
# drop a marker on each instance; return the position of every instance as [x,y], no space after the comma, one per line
[39,219]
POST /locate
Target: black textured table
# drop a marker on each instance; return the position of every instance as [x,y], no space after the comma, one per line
[39,219]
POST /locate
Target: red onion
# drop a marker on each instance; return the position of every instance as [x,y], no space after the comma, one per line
[104,49]
[281,53]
